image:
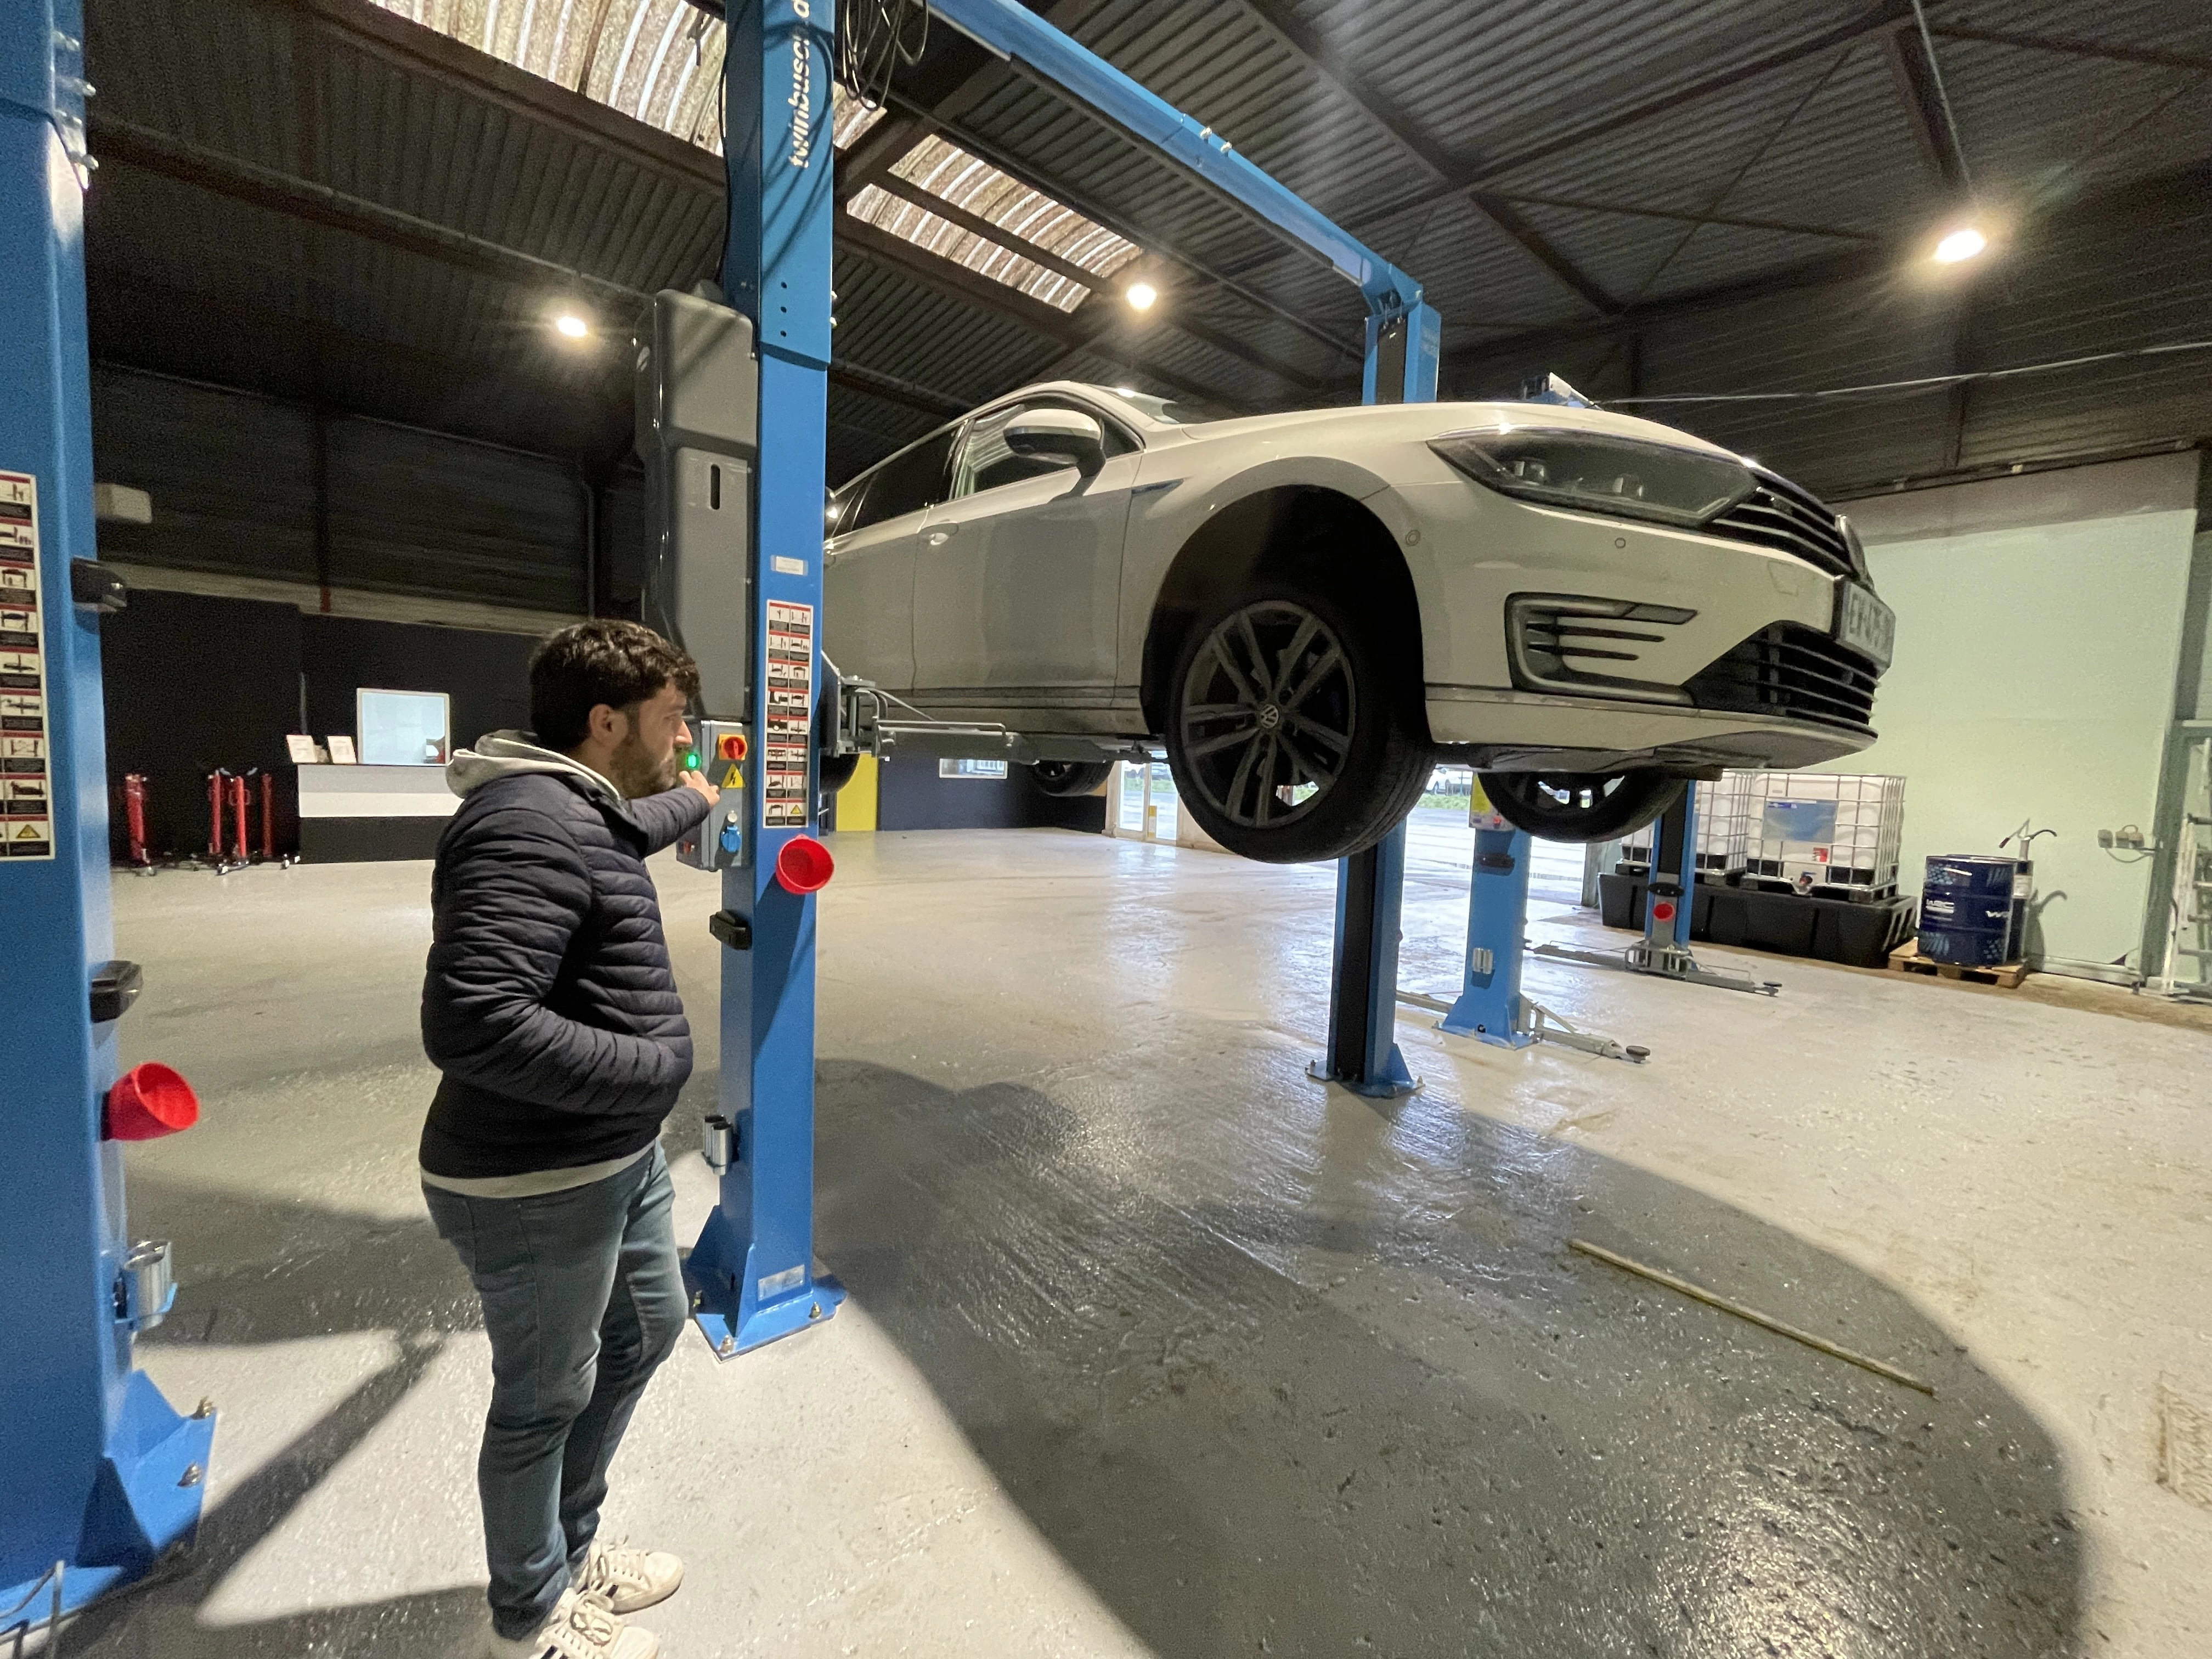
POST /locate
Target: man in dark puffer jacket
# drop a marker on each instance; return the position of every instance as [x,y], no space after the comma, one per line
[551,1009]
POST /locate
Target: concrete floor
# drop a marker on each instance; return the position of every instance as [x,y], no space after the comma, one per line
[1157,1347]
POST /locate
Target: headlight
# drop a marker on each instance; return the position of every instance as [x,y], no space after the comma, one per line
[1598,472]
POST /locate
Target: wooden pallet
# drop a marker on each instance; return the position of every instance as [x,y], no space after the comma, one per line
[1907,959]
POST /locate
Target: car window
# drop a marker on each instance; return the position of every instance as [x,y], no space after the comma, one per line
[909,482]
[985,463]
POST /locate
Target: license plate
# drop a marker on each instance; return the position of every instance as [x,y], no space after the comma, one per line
[1864,624]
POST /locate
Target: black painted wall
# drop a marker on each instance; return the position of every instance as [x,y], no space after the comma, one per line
[194,683]
[485,676]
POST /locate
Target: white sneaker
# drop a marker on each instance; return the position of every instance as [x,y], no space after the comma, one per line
[628,1580]
[581,1627]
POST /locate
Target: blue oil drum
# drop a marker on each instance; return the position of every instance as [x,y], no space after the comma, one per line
[1973,910]
[1967,950]
[1986,874]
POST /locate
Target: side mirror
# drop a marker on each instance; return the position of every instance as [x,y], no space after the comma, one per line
[1062,435]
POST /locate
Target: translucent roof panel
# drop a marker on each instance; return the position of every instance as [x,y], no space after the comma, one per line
[1026,216]
[660,61]
[926,230]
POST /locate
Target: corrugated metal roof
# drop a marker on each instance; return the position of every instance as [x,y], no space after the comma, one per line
[585,146]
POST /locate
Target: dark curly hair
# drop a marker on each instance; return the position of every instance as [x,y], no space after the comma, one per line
[619,664]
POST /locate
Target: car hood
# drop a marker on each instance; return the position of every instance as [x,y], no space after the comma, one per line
[1420,422]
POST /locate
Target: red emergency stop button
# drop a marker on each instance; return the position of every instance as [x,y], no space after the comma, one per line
[1663,911]
[732,746]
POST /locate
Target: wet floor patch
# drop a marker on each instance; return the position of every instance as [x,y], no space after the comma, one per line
[1375,1422]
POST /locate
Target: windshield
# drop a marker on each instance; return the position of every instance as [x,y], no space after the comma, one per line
[1157,408]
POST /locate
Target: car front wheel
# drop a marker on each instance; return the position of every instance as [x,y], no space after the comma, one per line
[1582,807]
[1294,724]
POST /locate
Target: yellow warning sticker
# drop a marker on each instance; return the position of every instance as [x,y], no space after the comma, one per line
[732,779]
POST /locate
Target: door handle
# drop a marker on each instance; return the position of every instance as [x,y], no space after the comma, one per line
[940,534]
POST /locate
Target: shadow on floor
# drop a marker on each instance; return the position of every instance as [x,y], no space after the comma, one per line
[1390,1411]
[1370,1405]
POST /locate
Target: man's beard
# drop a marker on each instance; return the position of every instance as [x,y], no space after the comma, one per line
[634,770]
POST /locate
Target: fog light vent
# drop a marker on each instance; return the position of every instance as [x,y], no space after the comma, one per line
[1567,642]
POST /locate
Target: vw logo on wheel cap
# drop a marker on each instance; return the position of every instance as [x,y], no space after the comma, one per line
[1270,718]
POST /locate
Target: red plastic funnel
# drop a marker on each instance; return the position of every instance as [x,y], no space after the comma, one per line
[148,1102]
[804,865]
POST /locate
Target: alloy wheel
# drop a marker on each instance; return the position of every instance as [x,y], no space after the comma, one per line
[1268,711]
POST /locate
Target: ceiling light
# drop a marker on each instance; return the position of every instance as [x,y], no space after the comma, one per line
[572,326]
[1141,295]
[1963,244]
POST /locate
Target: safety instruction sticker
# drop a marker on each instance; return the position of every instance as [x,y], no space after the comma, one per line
[27,823]
[786,715]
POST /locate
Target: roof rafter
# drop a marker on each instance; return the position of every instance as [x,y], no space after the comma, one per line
[2072,47]
[1924,111]
[959,283]
[1317,54]
[245,181]
[1492,175]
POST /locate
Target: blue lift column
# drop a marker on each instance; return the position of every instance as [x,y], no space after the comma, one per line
[1489,1005]
[1363,1052]
[98,1475]
[1674,881]
[751,1273]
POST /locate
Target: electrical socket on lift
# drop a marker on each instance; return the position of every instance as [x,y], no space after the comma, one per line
[719,842]
[2125,839]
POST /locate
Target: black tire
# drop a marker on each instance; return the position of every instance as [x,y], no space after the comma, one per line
[1067,778]
[1325,759]
[836,771]
[1582,807]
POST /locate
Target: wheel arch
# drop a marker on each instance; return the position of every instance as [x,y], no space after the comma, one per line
[1278,527]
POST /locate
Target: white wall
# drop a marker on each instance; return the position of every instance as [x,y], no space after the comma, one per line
[2040,624]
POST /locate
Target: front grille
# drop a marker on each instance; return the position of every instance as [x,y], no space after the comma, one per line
[1781,516]
[1793,673]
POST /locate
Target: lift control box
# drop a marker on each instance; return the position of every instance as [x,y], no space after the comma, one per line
[719,842]
[697,392]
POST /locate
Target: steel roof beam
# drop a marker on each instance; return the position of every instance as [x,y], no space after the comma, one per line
[2150,200]
[1492,176]
[421,51]
[1681,217]
[1924,110]
[871,161]
[2076,48]
[410,46]
[959,283]
[1225,343]
[245,181]
[1313,49]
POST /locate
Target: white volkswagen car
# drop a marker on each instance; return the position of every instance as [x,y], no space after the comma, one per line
[1308,610]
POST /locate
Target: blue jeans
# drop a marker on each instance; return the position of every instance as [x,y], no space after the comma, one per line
[582,1300]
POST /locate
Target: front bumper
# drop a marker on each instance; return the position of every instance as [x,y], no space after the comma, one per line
[1522,662]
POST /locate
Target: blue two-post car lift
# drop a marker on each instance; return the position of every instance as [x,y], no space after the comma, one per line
[753,1274]
[98,1476]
